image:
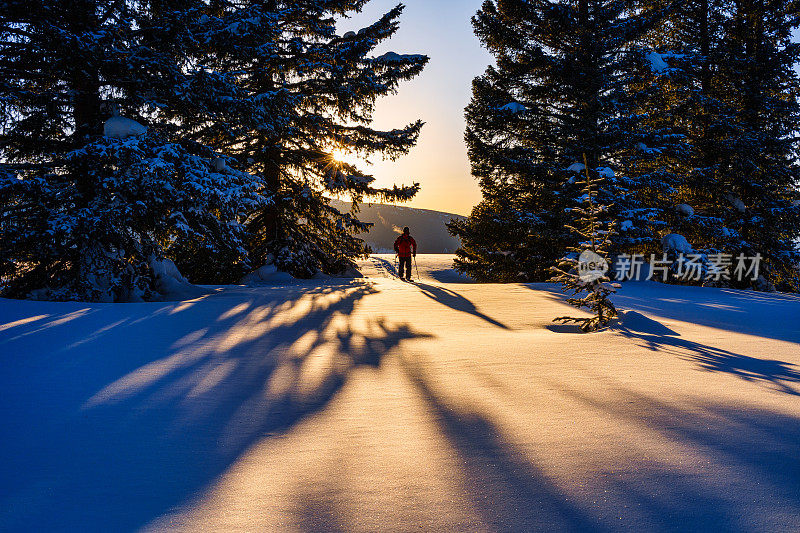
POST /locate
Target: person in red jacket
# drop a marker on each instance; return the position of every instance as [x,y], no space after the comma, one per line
[405,246]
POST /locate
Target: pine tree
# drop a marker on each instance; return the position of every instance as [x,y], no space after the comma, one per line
[691,42]
[304,92]
[651,168]
[688,106]
[88,199]
[759,184]
[731,96]
[229,113]
[563,85]
[583,269]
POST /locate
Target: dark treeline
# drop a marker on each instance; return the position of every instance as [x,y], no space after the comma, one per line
[687,110]
[199,131]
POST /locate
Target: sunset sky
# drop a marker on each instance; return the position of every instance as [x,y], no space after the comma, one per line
[442,30]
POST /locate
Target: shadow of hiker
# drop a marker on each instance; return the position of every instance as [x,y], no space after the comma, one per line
[457,302]
[168,412]
[656,336]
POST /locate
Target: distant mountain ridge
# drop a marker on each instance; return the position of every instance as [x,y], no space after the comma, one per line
[427,227]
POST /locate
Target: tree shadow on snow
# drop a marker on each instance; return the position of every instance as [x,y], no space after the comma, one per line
[767,315]
[726,468]
[134,409]
[565,328]
[655,336]
[700,466]
[506,489]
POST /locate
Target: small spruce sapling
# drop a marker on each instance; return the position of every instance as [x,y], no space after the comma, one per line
[583,269]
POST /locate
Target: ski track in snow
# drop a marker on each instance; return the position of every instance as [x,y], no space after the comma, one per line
[377,405]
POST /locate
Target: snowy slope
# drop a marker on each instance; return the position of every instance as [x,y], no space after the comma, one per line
[427,226]
[377,404]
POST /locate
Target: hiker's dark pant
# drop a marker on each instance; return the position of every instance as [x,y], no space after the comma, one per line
[407,262]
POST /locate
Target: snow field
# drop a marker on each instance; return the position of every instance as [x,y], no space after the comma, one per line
[379,405]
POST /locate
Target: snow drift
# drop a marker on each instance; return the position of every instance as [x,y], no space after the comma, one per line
[171,284]
[122,128]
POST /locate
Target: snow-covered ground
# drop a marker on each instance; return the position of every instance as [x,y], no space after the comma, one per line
[375,405]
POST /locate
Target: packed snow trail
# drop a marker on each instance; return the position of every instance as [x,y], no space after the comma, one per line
[380,405]
[431,268]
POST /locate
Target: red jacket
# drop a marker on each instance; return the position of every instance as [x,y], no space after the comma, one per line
[404,244]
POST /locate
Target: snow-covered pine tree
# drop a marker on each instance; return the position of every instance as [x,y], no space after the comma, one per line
[583,269]
[305,93]
[654,164]
[89,199]
[683,54]
[562,86]
[729,90]
[759,186]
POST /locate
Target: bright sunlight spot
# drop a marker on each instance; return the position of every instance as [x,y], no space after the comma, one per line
[343,156]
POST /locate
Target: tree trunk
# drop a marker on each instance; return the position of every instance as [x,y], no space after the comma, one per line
[84,80]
